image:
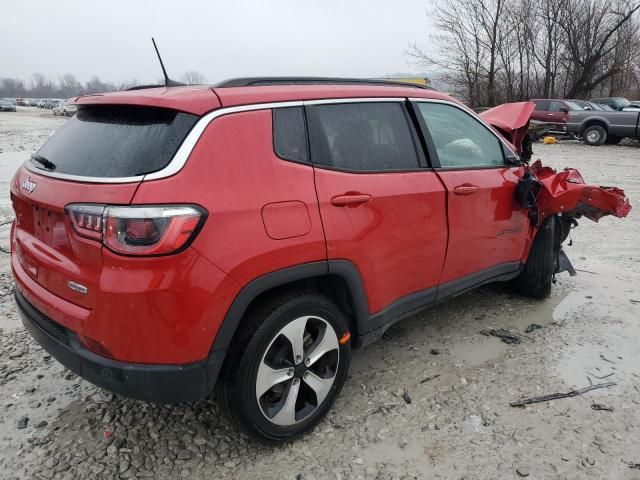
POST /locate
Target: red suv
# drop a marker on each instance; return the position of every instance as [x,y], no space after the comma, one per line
[249,235]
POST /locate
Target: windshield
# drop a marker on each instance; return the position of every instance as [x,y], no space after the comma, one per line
[621,102]
[116,141]
[576,104]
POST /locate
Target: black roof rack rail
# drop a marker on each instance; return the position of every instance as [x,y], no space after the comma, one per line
[271,81]
[143,87]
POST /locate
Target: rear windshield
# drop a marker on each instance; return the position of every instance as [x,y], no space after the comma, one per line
[116,141]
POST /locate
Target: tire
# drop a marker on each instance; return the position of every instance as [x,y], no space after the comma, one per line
[536,278]
[264,346]
[613,140]
[594,135]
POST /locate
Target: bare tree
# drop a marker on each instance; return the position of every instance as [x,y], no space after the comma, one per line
[590,28]
[505,50]
[193,78]
[12,87]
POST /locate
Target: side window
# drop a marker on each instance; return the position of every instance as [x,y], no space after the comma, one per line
[460,139]
[556,106]
[542,105]
[289,134]
[361,136]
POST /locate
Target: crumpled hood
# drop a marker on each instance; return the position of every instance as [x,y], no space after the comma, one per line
[511,120]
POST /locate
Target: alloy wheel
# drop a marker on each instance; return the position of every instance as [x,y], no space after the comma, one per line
[593,136]
[297,370]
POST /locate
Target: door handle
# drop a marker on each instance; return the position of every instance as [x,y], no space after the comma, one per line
[465,189]
[350,200]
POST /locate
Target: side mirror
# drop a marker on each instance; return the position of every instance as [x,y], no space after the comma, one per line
[510,157]
[564,109]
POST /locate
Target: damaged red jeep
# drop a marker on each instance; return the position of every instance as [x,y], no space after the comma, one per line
[248,236]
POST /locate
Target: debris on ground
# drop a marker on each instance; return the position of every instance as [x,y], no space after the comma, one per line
[522,472]
[434,351]
[557,396]
[428,379]
[502,333]
[599,406]
[601,378]
[22,423]
[532,327]
[385,407]
[606,359]
[405,396]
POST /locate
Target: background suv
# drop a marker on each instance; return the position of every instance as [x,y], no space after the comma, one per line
[248,235]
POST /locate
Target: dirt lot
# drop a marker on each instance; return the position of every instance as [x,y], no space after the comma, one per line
[458,424]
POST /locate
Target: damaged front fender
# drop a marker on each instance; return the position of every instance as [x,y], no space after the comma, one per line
[566,193]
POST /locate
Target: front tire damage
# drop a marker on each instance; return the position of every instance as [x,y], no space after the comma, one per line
[536,278]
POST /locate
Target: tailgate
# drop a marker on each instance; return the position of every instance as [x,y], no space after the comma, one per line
[98,157]
[44,242]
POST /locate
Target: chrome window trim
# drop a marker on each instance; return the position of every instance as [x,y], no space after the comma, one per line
[188,144]
[473,115]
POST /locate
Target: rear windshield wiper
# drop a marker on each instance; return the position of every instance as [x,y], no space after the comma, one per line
[45,162]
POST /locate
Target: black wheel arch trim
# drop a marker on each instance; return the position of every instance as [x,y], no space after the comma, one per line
[369,327]
[342,268]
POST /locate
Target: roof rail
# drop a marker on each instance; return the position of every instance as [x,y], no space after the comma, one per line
[270,81]
[142,87]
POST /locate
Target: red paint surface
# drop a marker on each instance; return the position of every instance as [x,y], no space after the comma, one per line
[512,120]
[487,226]
[397,239]
[566,191]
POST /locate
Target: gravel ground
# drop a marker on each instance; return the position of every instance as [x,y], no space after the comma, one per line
[431,400]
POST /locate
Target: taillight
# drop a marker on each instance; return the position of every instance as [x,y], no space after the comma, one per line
[138,230]
[87,220]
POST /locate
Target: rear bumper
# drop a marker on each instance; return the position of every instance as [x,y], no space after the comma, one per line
[152,383]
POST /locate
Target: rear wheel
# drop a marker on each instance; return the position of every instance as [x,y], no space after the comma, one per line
[536,278]
[285,371]
[594,135]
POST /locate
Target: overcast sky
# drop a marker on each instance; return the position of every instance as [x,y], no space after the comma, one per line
[220,39]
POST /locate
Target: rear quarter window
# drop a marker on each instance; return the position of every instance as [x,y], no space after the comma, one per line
[289,134]
[117,141]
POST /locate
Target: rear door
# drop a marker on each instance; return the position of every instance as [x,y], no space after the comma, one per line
[558,114]
[488,230]
[542,110]
[99,156]
[381,208]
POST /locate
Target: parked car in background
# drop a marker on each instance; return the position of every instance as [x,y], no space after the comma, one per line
[69,109]
[52,102]
[7,105]
[597,127]
[151,273]
[619,104]
[58,109]
[554,111]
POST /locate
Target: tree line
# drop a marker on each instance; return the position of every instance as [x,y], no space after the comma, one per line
[67,85]
[496,51]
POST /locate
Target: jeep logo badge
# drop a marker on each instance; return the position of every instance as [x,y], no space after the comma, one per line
[28,185]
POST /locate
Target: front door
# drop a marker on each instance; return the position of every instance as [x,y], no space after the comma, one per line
[488,229]
[380,207]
